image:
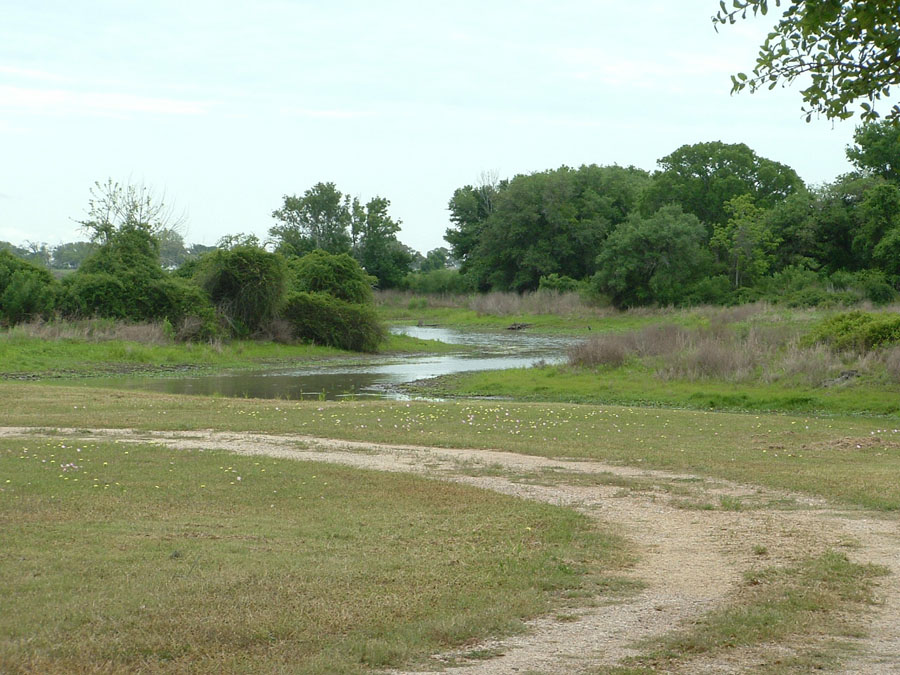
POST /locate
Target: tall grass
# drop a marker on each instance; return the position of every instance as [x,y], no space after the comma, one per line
[733,346]
[95,330]
[498,303]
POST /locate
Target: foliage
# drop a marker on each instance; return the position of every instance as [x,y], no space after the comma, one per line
[246,283]
[375,243]
[470,206]
[324,218]
[438,282]
[436,259]
[113,207]
[26,290]
[87,294]
[318,219]
[651,260]
[847,52]
[745,242]
[70,255]
[559,283]
[856,330]
[877,150]
[326,320]
[703,177]
[551,222]
[337,275]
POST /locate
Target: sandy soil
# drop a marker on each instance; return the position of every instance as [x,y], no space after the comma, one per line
[690,559]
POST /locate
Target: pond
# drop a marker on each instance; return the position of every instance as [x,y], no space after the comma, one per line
[373,377]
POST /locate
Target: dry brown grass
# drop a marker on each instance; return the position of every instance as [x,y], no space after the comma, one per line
[95,330]
[541,302]
[892,363]
[498,303]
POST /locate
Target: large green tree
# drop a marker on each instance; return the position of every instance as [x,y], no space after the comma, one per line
[876,150]
[320,218]
[375,243]
[553,222]
[745,243]
[652,259]
[470,207]
[704,176]
[847,52]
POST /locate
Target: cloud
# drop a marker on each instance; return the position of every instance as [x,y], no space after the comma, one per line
[328,114]
[31,74]
[64,101]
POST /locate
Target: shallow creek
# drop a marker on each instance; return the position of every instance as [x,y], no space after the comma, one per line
[370,377]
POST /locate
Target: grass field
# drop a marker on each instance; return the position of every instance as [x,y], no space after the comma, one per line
[125,558]
[851,459]
[182,561]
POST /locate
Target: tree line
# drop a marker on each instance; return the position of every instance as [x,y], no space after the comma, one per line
[236,289]
[716,223]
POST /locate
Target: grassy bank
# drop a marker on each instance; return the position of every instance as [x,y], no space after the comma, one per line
[850,459]
[637,385]
[123,558]
[124,348]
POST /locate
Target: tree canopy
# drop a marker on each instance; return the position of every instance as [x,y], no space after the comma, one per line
[850,52]
[704,176]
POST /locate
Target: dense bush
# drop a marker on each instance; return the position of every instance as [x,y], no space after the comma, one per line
[560,284]
[337,275]
[857,330]
[327,320]
[88,295]
[246,283]
[26,290]
[26,295]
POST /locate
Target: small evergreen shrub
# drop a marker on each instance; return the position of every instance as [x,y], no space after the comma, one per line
[326,320]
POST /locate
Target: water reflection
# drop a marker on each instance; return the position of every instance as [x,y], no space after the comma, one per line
[375,378]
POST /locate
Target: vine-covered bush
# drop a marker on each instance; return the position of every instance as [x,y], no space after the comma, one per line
[26,290]
[326,320]
[337,275]
[246,283]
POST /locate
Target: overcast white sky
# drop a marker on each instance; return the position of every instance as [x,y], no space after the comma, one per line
[226,106]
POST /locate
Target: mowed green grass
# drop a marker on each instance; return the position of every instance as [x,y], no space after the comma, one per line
[850,459]
[117,557]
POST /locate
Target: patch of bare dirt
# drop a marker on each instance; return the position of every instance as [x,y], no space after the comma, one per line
[692,552]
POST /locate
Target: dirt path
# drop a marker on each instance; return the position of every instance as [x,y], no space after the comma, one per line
[690,556]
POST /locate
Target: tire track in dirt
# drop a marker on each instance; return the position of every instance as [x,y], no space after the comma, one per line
[689,559]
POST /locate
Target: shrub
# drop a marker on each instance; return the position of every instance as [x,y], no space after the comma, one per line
[178,301]
[327,320]
[87,295]
[26,296]
[859,331]
[337,275]
[26,290]
[246,283]
[561,284]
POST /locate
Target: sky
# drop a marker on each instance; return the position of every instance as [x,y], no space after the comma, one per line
[223,108]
